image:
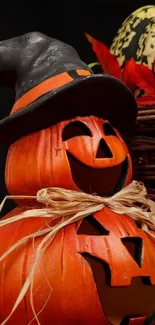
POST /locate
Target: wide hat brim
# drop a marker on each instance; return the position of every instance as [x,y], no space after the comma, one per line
[100,95]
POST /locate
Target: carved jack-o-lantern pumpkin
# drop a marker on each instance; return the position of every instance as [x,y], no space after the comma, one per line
[85,154]
[101,271]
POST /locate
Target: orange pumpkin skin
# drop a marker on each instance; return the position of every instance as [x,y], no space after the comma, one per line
[76,298]
[79,154]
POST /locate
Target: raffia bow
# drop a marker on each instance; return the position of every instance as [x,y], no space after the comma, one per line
[73,206]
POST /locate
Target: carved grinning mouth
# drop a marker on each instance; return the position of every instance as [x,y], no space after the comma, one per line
[100,181]
[120,304]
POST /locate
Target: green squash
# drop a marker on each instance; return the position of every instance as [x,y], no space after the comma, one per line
[136,37]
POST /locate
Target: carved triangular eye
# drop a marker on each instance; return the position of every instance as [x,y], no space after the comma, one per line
[91,227]
[75,129]
[108,129]
[134,245]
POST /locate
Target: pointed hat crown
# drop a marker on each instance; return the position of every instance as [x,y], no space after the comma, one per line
[53,84]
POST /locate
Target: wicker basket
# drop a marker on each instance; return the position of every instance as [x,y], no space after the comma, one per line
[142,149]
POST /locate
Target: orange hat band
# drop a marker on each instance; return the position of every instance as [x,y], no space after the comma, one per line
[44,87]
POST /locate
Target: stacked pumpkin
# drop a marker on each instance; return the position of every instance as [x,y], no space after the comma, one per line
[93,268]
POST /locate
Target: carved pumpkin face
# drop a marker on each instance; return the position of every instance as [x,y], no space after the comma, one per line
[101,271]
[85,154]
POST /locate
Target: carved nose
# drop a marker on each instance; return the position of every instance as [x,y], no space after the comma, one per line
[103,150]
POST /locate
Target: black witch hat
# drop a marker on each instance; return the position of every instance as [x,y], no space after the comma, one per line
[53,84]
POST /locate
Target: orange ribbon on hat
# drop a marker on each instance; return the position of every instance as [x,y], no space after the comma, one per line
[44,87]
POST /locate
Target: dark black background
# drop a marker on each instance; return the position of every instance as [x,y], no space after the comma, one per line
[65,20]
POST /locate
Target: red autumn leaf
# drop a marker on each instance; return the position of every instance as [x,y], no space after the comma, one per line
[134,75]
[129,74]
[107,60]
[145,79]
[146,100]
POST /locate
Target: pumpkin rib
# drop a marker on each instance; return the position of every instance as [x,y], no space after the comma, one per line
[62,252]
[5,273]
[24,276]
